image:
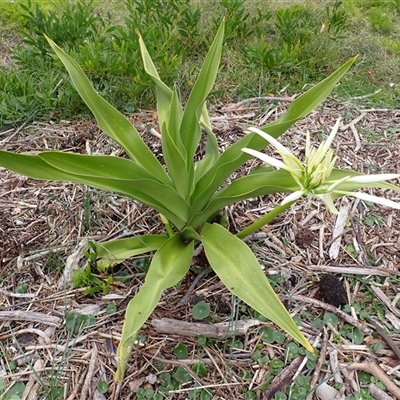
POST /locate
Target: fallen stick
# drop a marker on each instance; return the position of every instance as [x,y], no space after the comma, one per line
[353,270]
[377,372]
[355,120]
[341,314]
[87,385]
[385,337]
[256,99]
[321,360]
[340,224]
[193,285]
[379,394]
[283,379]
[30,316]
[31,388]
[219,330]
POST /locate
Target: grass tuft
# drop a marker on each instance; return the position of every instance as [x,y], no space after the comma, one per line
[268,48]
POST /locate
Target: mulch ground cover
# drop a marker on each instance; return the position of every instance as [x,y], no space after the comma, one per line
[44,228]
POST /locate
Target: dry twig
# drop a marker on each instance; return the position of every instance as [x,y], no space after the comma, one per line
[87,385]
[282,379]
[220,330]
[373,369]
[30,316]
[333,309]
[321,360]
[255,100]
[385,337]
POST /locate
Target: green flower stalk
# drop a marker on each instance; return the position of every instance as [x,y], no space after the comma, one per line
[315,178]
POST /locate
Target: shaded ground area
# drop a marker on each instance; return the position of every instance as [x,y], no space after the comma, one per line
[42,223]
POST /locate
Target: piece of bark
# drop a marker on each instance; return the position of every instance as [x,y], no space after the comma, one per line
[333,361]
[348,269]
[374,369]
[326,392]
[30,316]
[219,330]
[17,295]
[32,387]
[76,260]
[379,394]
[321,360]
[87,385]
[339,228]
[283,379]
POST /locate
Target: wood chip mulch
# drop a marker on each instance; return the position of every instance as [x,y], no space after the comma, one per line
[44,227]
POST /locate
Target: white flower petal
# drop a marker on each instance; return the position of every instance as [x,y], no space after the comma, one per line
[337,183]
[293,164]
[328,142]
[317,175]
[327,199]
[278,146]
[372,199]
[311,156]
[267,159]
[332,165]
[319,155]
[293,196]
[308,145]
[373,178]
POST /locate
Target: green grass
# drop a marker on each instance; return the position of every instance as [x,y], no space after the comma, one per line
[269,46]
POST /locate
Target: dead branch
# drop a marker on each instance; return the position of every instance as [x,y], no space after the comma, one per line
[86,389]
[255,100]
[376,371]
[282,379]
[333,309]
[385,337]
[219,330]
[30,316]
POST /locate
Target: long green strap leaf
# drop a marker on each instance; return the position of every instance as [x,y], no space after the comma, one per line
[338,174]
[175,160]
[117,168]
[168,267]
[253,185]
[212,151]
[307,101]
[239,270]
[163,92]
[233,157]
[190,128]
[116,251]
[145,190]
[228,162]
[110,120]
[32,166]
[96,165]
[170,113]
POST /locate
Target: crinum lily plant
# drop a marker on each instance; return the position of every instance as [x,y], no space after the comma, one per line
[188,195]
